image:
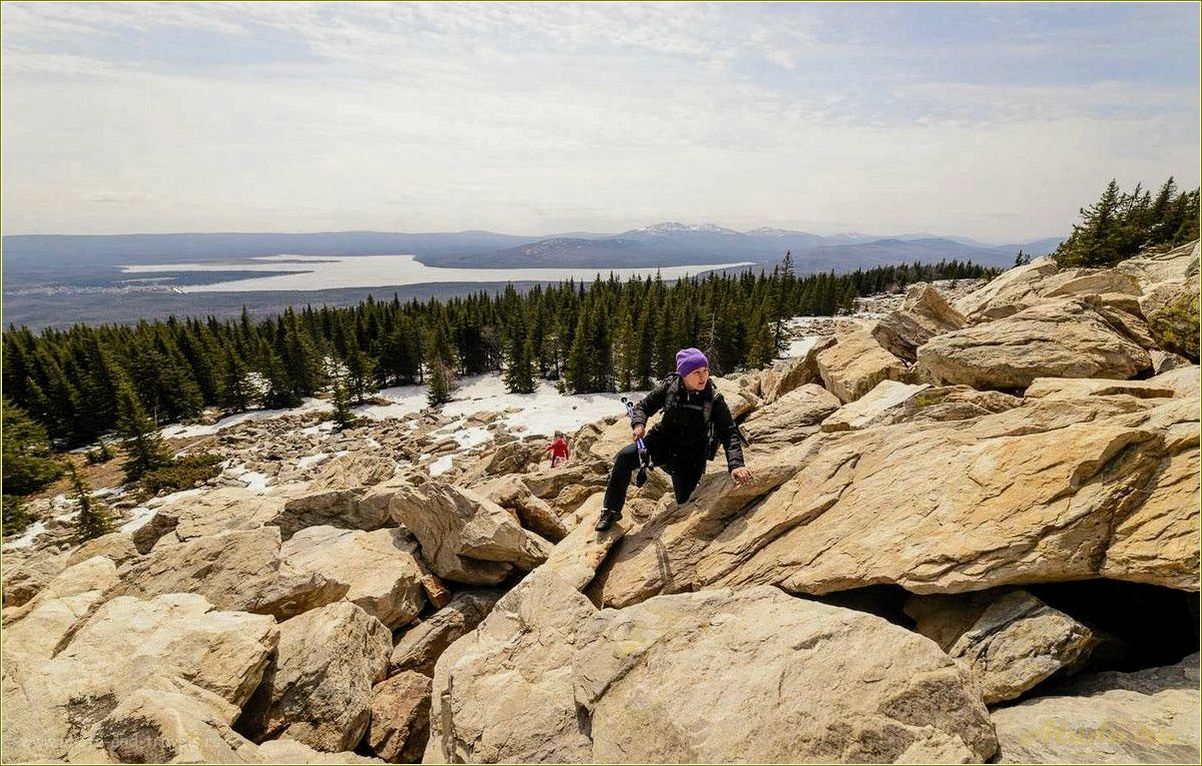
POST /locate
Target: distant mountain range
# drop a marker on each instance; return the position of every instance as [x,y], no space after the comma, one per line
[60,279]
[76,259]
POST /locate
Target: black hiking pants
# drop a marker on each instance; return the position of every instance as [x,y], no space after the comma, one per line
[685,469]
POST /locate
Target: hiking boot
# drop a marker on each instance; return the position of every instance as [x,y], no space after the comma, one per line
[607,519]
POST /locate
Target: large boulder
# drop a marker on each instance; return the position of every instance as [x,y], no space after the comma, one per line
[698,677]
[1076,388]
[420,646]
[1052,490]
[343,508]
[1010,640]
[536,514]
[660,555]
[123,649]
[892,402]
[1149,716]
[1157,542]
[856,363]
[1008,293]
[883,405]
[36,627]
[352,472]
[792,417]
[25,577]
[465,537]
[207,513]
[1063,338]
[240,571]
[117,546]
[318,690]
[379,570]
[400,718]
[788,374]
[924,313]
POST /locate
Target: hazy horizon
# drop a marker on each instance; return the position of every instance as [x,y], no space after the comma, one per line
[994,122]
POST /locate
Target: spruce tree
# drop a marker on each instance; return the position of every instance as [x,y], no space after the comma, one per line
[93,519]
[143,445]
[344,416]
[235,393]
[28,465]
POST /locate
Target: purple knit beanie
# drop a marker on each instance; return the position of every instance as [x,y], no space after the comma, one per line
[689,359]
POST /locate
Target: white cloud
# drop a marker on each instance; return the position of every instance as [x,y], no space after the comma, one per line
[545,117]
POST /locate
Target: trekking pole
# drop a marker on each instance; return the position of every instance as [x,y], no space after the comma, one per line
[644,457]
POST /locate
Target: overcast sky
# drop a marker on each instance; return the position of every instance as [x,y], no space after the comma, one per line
[992,121]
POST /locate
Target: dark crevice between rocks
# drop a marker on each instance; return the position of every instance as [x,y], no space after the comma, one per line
[885,601]
[1143,626]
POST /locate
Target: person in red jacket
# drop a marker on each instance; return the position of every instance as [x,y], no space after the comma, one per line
[558,449]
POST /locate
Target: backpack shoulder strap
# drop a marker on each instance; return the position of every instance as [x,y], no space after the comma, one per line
[670,400]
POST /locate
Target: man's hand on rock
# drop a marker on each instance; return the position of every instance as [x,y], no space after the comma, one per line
[742,476]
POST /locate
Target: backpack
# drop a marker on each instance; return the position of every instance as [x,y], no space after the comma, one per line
[712,441]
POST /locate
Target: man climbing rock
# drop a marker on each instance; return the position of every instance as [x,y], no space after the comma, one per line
[695,420]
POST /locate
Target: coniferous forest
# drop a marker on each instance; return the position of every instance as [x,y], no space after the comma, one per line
[87,381]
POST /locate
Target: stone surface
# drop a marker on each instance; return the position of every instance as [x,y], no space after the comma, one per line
[789,374]
[36,627]
[792,417]
[1063,338]
[534,513]
[318,690]
[24,578]
[286,750]
[698,677]
[883,405]
[343,508]
[379,570]
[1010,640]
[1076,388]
[173,642]
[660,555]
[117,546]
[420,646]
[1034,496]
[465,537]
[352,472]
[239,571]
[400,718]
[1184,381]
[856,363]
[1008,293]
[924,313]
[1150,716]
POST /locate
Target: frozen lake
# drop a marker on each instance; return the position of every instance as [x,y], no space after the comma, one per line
[330,272]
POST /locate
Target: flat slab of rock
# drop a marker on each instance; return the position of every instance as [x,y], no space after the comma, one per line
[883,405]
[1011,640]
[318,690]
[1075,388]
[380,570]
[1150,716]
[1063,338]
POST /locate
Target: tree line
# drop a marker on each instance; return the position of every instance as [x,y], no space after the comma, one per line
[603,336]
[1121,224]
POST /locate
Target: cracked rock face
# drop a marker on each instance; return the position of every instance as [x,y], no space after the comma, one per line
[548,677]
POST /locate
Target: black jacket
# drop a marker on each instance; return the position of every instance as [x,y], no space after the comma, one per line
[683,428]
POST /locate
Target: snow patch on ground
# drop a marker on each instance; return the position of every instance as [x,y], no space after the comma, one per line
[183,432]
[27,537]
[441,465]
[311,460]
[799,347]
